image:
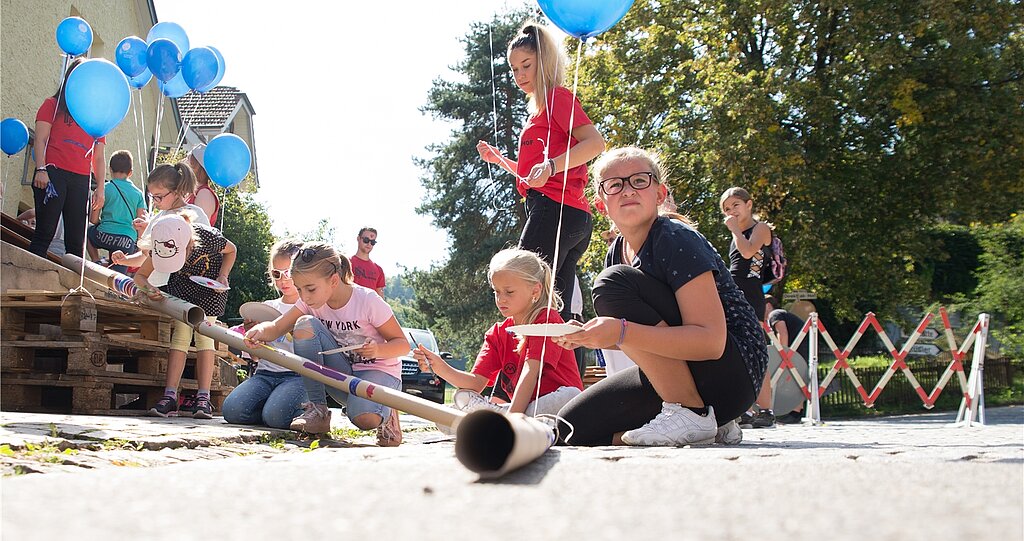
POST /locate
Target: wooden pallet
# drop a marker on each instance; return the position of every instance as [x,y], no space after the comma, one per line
[593,375]
[89,395]
[83,355]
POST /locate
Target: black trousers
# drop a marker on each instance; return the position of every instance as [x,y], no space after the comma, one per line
[627,400]
[540,233]
[71,201]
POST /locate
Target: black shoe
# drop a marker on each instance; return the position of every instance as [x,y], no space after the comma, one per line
[202,409]
[746,420]
[764,419]
[164,407]
[791,418]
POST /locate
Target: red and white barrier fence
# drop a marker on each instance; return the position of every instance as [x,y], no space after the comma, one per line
[972,406]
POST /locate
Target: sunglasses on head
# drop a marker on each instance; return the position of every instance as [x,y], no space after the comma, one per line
[279,274]
[305,254]
[369,241]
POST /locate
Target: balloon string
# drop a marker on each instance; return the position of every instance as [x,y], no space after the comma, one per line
[138,140]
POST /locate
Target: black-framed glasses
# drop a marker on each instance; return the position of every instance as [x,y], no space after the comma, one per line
[158,198]
[369,241]
[639,181]
[279,274]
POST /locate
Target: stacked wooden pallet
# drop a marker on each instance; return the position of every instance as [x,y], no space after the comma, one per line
[593,375]
[78,354]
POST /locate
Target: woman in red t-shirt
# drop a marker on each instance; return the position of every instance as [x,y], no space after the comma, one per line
[557,127]
[204,197]
[521,281]
[65,156]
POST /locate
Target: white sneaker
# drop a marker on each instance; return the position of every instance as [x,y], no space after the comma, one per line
[468,400]
[729,434]
[674,426]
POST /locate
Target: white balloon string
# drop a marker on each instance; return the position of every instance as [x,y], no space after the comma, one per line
[145,157]
[138,139]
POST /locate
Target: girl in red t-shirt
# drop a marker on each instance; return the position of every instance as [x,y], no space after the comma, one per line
[65,156]
[204,196]
[553,190]
[522,282]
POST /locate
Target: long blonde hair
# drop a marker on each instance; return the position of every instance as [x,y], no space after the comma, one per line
[551,60]
[530,267]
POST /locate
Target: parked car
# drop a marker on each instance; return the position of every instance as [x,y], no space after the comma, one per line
[422,384]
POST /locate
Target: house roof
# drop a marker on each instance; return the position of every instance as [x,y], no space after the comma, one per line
[212,109]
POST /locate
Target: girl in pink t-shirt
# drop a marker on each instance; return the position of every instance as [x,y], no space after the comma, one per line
[522,282]
[333,312]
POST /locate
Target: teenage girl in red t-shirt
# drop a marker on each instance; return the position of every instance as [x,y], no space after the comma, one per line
[65,155]
[204,197]
[557,127]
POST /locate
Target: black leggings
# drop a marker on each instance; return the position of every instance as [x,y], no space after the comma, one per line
[627,400]
[71,201]
[539,235]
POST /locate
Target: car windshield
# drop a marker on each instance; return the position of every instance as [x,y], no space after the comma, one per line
[421,337]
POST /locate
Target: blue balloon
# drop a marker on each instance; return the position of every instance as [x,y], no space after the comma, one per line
[220,70]
[171,31]
[163,59]
[199,67]
[141,79]
[175,88]
[131,56]
[74,36]
[13,136]
[227,159]
[585,18]
[98,96]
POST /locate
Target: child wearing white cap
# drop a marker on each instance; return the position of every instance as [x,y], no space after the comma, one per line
[183,250]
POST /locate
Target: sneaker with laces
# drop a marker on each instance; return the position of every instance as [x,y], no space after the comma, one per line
[674,426]
[469,400]
[764,419]
[729,434]
[315,420]
[201,408]
[164,407]
[746,420]
[389,434]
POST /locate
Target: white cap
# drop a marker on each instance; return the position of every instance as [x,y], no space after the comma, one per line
[170,237]
[198,151]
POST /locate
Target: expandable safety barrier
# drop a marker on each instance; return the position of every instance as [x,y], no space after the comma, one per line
[972,406]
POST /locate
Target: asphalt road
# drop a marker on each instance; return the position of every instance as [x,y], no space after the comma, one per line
[898,478]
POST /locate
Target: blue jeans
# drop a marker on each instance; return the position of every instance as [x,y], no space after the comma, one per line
[266,398]
[323,340]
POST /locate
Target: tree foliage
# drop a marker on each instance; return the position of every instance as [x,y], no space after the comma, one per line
[247,224]
[853,125]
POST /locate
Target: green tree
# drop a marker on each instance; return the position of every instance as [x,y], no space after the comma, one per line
[477,205]
[854,125]
[247,224]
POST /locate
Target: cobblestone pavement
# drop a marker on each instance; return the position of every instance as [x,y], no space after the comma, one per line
[895,478]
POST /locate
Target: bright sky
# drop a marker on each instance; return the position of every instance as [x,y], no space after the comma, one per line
[337,90]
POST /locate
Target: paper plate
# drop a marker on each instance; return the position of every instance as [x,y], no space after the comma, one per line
[258,312]
[544,329]
[786,393]
[210,283]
